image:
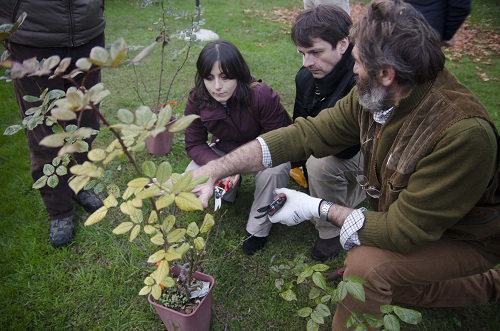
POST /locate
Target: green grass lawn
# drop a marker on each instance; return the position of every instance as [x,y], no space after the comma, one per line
[93,284]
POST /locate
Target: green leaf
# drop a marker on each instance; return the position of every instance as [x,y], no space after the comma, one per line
[319,280]
[148,193]
[125,116]
[162,271]
[62,114]
[164,172]
[356,290]
[145,290]
[308,271]
[61,170]
[340,292]
[145,52]
[157,256]
[199,244]
[31,99]
[182,183]
[168,223]
[386,309]
[149,229]
[323,310]
[318,318]
[40,182]
[52,181]
[78,183]
[314,293]
[96,154]
[288,295]
[144,117]
[312,326]
[135,232]
[123,228]
[391,323]
[156,291]
[320,267]
[48,169]
[192,229]
[9,131]
[118,51]
[176,235]
[149,168]
[83,64]
[96,216]
[164,116]
[188,202]
[409,316]
[158,239]
[99,56]
[182,123]
[304,312]
[140,182]
[55,140]
[208,223]
[165,201]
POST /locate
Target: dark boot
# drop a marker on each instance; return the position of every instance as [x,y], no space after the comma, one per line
[325,249]
[89,200]
[61,231]
[253,244]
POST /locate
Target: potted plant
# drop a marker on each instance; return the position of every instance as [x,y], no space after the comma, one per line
[149,203]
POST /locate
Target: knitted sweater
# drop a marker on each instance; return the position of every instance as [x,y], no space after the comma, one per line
[445,185]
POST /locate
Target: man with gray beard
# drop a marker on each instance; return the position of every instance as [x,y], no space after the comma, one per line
[431,237]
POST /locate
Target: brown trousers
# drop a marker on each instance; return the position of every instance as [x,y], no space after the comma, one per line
[59,200]
[445,273]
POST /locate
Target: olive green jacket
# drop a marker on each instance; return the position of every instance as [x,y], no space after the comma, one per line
[450,175]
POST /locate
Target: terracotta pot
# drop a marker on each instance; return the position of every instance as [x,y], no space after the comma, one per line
[197,320]
[162,143]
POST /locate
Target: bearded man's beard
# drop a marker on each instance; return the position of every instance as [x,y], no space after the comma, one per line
[372,95]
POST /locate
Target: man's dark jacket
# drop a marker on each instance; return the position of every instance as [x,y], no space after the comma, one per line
[314,95]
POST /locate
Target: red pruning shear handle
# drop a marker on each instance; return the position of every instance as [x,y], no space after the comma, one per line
[270,209]
[219,191]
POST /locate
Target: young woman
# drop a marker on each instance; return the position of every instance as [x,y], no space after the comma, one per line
[234,109]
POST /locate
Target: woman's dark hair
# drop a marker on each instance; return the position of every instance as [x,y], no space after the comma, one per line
[232,65]
[328,22]
[394,34]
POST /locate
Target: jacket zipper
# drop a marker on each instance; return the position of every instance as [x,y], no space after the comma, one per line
[70,13]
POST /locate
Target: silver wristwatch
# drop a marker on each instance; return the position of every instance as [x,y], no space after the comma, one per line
[324,209]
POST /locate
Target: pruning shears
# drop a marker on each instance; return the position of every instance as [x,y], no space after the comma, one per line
[270,209]
[219,191]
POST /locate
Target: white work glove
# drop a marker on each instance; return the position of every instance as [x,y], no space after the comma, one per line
[298,207]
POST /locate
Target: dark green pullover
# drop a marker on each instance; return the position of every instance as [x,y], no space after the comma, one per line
[446,184]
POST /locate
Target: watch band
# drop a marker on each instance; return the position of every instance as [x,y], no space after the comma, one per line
[324,209]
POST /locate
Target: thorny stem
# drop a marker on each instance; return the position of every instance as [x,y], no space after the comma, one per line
[163,45]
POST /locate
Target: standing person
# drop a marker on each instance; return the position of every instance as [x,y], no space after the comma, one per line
[321,36]
[67,29]
[234,108]
[431,171]
[344,4]
[445,16]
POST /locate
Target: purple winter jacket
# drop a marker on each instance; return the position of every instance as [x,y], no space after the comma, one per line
[233,126]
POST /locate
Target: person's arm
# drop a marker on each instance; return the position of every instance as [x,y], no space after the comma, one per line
[247,158]
[196,137]
[456,13]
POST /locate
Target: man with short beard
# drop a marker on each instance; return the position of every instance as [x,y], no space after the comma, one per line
[432,235]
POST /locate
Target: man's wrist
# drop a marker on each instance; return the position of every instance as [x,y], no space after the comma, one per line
[324,209]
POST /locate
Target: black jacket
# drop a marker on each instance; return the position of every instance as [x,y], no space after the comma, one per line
[445,16]
[314,95]
[68,23]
